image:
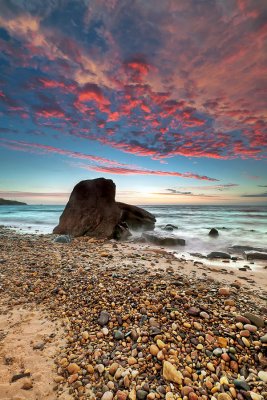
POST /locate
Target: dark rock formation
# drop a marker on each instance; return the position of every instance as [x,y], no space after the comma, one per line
[213,232]
[160,240]
[137,218]
[4,202]
[218,254]
[93,211]
[242,249]
[255,255]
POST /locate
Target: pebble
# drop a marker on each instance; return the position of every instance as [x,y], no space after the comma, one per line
[171,374]
[224,396]
[154,350]
[204,315]
[246,341]
[263,339]
[113,368]
[103,318]
[210,367]
[263,376]
[255,319]
[27,384]
[240,384]
[107,396]
[73,368]
[224,291]
[141,394]
[118,335]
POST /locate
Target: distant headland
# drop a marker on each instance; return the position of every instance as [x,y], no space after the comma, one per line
[4,202]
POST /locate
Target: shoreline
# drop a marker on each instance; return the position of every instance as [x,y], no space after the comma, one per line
[64,288]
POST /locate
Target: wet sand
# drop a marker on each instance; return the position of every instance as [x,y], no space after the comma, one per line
[99,319]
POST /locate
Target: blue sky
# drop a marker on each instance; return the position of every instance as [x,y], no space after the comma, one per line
[168,99]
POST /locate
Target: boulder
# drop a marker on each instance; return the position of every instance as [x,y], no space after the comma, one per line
[136,218]
[213,232]
[93,211]
[160,240]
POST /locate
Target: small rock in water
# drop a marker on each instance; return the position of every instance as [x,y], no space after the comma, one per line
[213,232]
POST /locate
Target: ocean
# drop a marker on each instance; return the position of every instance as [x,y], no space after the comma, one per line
[237,225]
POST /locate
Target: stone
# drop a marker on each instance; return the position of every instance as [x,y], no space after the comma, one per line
[118,335]
[263,376]
[193,311]
[73,368]
[224,396]
[224,291]
[121,395]
[250,328]
[263,339]
[93,211]
[107,395]
[171,374]
[241,384]
[186,390]
[169,227]
[141,394]
[204,315]
[210,367]
[27,384]
[161,240]
[103,318]
[219,254]
[62,239]
[255,319]
[113,368]
[132,360]
[213,232]
[255,396]
[154,350]
[136,218]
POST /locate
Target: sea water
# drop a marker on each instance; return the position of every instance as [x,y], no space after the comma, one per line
[237,225]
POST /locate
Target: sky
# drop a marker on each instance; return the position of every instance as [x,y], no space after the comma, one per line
[166,98]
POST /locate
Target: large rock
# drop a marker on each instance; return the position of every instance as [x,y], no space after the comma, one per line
[137,218]
[218,254]
[93,211]
[160,240]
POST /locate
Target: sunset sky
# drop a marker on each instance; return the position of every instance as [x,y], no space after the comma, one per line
[167,98]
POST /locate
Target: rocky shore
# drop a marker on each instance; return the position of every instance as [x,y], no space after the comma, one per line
[96,319]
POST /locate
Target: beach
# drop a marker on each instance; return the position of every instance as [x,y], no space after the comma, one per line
[99,319]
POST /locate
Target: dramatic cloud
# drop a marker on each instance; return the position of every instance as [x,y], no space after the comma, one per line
[156,79]
[107,166]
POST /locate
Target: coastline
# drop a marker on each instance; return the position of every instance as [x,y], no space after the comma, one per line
[57,292]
